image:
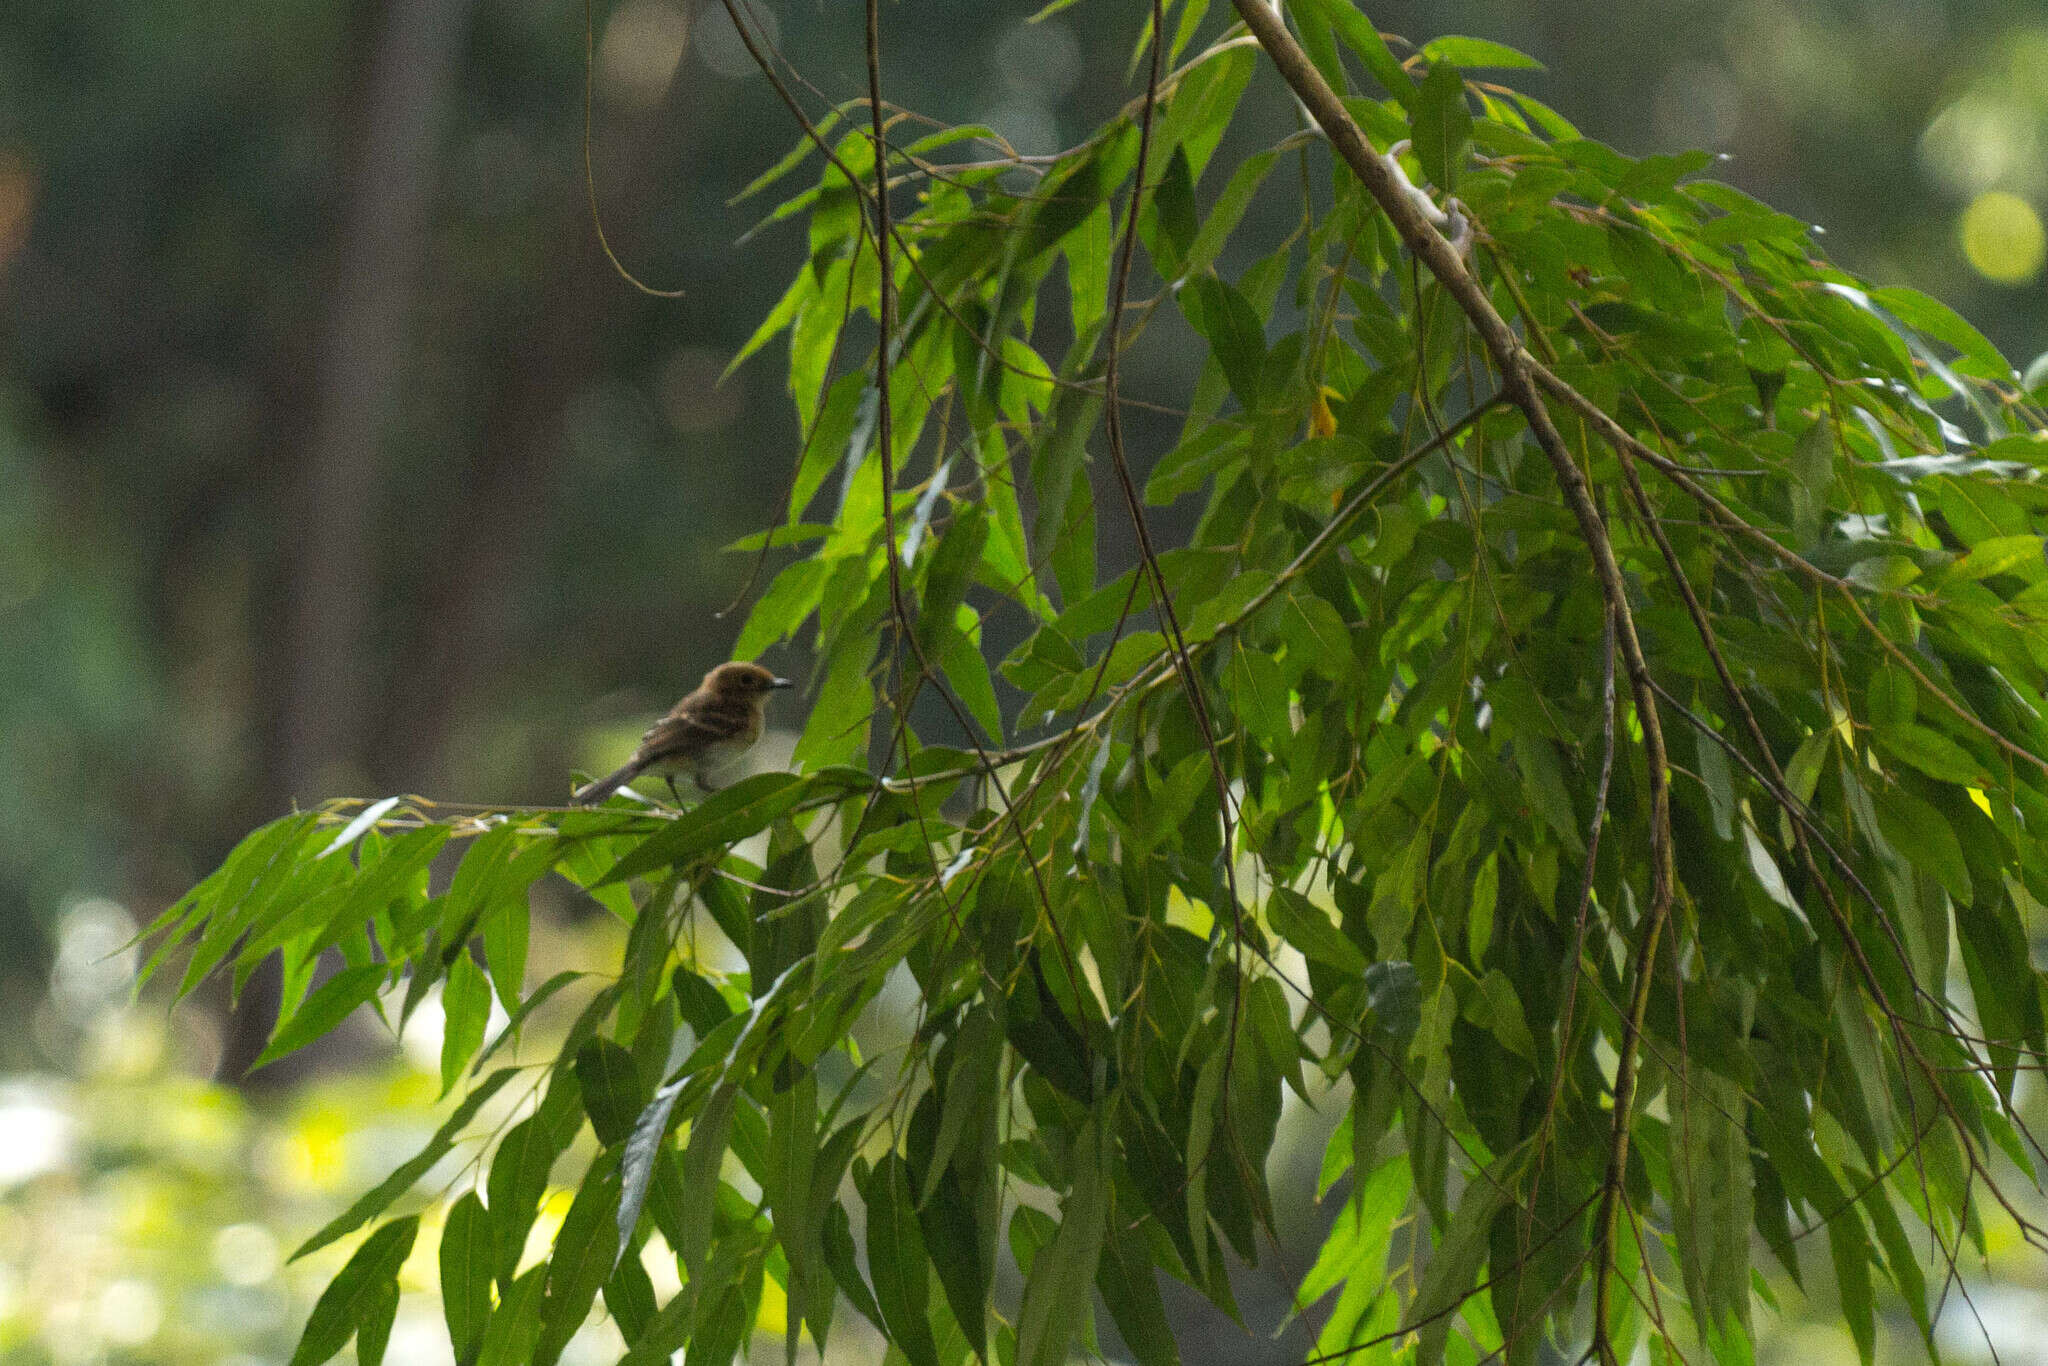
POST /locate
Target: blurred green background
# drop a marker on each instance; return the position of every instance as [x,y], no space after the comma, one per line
[336,459]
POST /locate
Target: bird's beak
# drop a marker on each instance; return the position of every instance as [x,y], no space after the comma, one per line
[782,682]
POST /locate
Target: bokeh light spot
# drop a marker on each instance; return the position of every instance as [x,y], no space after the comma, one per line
[2002,238]
[245,1254]
[95,961]
[641,46]
[1980,141]
[312,1156]
[1044,59]
[35,1134]
[129,1312]
[547,1222]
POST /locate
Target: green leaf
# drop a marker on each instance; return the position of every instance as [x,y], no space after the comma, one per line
[897,1260]
[613,1092]
[373,1334]
[1226,607]
[519,1172]
[378,1199]
[542,994]
[1201,106]
[1469,53]
[958,1222]
[400,872]
[1319,40]
[249,882]
[1306,926]
[585,1252]
[317,1017]
[796,1192]
[1448,1278]
[645,1146]
[1056,1291]
[1543,782]
[791,598]
[1813,474]
[791,159]
[801,292]
[1711,1208]
[1236,336]
[1066,200]
[1849,1246]
[1931,752]
[1479,916]
[629,1297]
[701,1159]
[1802,775]
[1211,452]
[1496,1007]
[1362,38]
[2020,555]
[972,1085]
[1354,1254]
[953,562]
[1767,873]
[1442,126]
[1926,840]
[1260,695]
[505,928]
[1169,214]
[1130,1289]
[1228,211]
[732,813]
[357,1289]
[839,1255]
[1063,527]
[515,1324]
[1394,995]
[1088,258]
[1944,324]
[666,1333]
[1317,636]
[467,1254]
[466,1003]
[966,669]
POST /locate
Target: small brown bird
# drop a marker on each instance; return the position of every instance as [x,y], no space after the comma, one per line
[712,726]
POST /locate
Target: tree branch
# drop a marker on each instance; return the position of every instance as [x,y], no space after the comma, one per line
[1515,365]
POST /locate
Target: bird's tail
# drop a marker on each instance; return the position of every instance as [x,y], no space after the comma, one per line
[590,794]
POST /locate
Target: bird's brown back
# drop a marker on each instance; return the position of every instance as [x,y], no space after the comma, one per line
[704,720]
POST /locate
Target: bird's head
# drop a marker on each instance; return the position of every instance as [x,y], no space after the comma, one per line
[742,680]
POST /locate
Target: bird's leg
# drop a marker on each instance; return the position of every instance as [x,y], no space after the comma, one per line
[677,796]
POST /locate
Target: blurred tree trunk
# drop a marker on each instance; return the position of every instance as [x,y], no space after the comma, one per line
[395,146]
[462,636]
[383,241]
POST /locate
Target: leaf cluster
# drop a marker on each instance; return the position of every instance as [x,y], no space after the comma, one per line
[1338,796]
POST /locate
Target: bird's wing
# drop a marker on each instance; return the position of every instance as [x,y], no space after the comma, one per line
[688,732]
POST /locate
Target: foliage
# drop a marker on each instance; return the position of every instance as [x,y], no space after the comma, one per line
[1600,691]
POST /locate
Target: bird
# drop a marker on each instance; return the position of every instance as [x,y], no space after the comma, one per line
[712,726]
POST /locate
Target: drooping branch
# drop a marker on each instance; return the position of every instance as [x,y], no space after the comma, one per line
[1441,257]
